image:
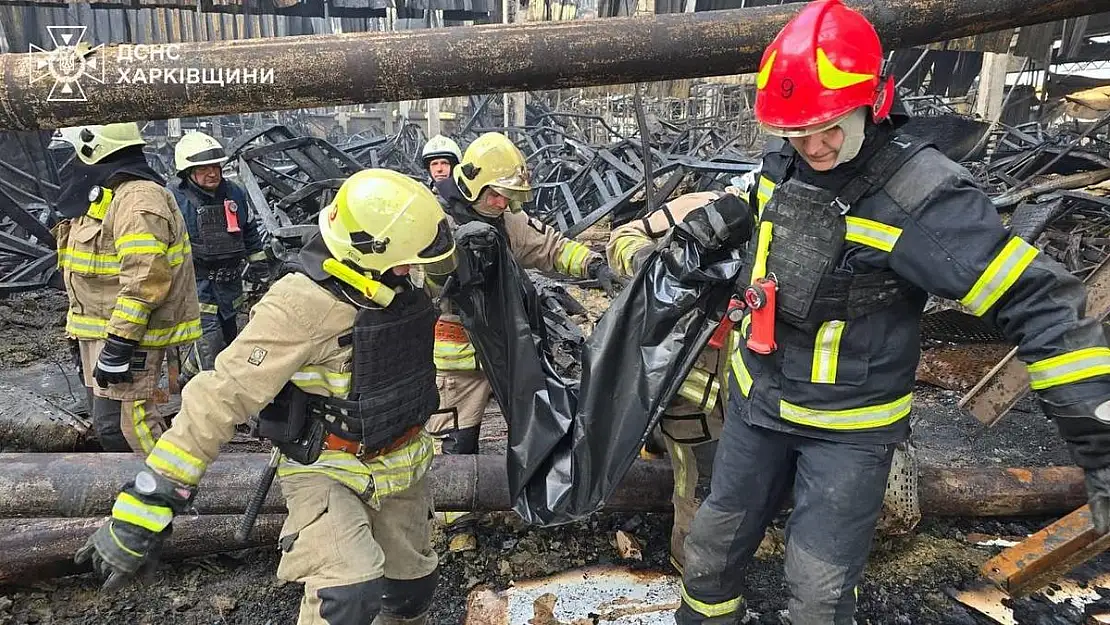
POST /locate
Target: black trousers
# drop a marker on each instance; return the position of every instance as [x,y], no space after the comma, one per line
[838,494]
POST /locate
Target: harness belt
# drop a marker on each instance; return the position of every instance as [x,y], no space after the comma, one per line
[333,442]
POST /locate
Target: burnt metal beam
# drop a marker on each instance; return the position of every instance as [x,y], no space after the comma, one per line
[81,485]
[324,70]
[1046,555]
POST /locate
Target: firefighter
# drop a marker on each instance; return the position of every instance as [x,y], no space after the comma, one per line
[440,155]
[692,423]
[338,351]
[857,224]
[125,259]
[491,184]
[223,236]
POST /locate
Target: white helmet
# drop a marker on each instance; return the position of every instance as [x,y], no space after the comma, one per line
[440,146]
[94,143]
[197,148]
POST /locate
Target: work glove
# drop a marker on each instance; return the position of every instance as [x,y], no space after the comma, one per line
[114,364]
[258,272]
[1098,497]
[131,540]
[474,241]
[476,235]
[610,282]
[727,222]
[1088,438]
[75,353]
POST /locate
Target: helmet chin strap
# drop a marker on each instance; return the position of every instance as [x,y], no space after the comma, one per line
[485,211]
[853,127]
[374,291]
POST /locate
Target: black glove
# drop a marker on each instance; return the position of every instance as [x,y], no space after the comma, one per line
[114,364]
[725,222]
[610,282]
[75,354]
[1089,443]
[1098,497]
[476,235]
[120,549]
[258,272]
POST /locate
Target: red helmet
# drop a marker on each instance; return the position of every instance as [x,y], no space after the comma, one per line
[824,64]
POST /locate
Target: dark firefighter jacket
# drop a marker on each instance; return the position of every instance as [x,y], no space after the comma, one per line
[935,232]
[218,285]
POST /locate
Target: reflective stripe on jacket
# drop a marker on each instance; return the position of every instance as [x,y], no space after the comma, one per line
[130,275]
[932,226]
[293,335]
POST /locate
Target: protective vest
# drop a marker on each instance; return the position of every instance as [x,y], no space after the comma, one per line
[219,227]
[390,389]
[393,380]
[809,231]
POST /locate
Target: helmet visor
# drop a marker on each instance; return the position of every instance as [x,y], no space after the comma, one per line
[516,196]
[519,180]
[804,131]
[440,252]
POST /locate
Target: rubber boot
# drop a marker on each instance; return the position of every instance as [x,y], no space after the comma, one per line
[106,415]
[405,597]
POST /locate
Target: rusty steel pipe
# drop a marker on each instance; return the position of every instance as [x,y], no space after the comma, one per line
[84,485]
[323,70]
[42,547]
[37,548]
[994,491]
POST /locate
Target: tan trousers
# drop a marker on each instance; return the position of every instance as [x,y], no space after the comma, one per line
[332,538]
[467,393]
[689,434]
[138,419]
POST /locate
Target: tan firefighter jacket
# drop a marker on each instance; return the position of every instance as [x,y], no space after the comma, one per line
[130,274]
[535,245]
[629,247]
[293,335]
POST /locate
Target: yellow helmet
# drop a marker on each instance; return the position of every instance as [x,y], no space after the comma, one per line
[494,161]
[381,219]
[95,143]
[195,149]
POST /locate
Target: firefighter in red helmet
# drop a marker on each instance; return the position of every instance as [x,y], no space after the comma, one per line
[858,222]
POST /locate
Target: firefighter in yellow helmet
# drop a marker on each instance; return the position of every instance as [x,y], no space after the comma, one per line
[491,184]
[126,264]
[338,356]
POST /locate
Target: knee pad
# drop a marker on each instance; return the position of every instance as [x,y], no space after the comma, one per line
[821,592]
[106,415]
[462,442]
[353,604]
[409,598]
